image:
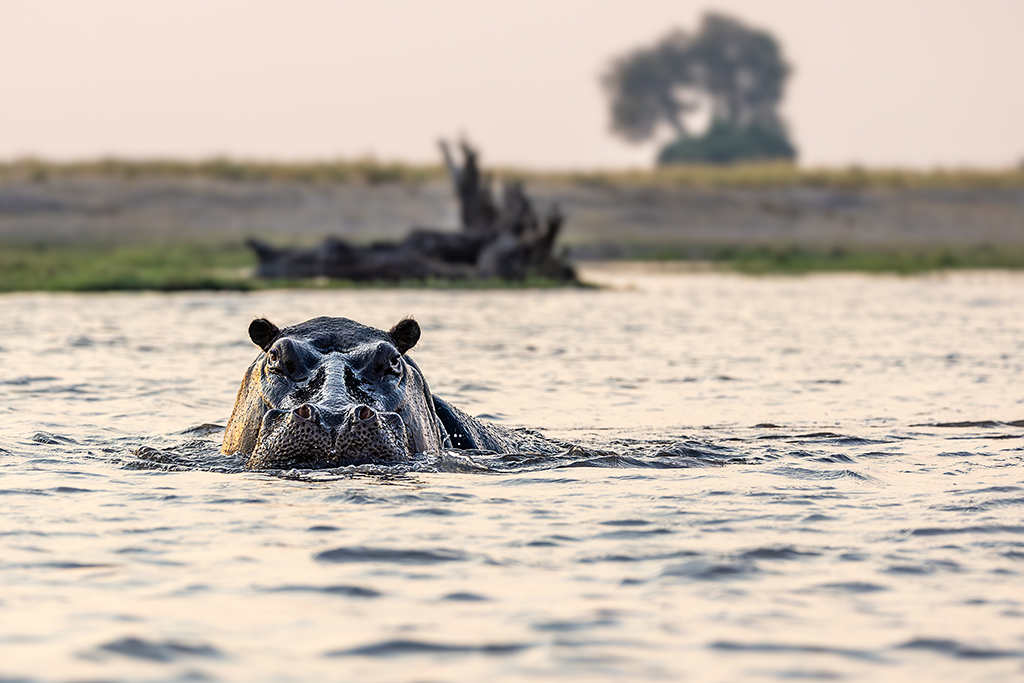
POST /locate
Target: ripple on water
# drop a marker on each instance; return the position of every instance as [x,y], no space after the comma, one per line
[392,648]
[808,474]
[430,512]
[723,569]
[923,569]
[388,555]
[953,648]
[982,529]
[635,533]
[784,648]
[347,591]
[51,439]
[779,552]
[638,557]
[158,651]
[848,587]
[465,597]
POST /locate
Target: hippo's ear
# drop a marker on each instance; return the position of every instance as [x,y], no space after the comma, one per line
[405,334]
[263,333]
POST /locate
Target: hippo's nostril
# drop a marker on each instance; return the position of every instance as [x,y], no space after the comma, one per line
[364,413]
[304,411]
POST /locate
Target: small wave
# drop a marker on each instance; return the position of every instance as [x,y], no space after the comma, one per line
[347,591]
[635,533]
[51,439]
[25,381]
[706,570]
[465,597]
[925,569]
[204,429]
[838,439]
[430,512]
[816,517]
[391,648]
[987,424]
[985,505]
[166,651]
[986,529]
[75,565]
[785,552]
[625,461]
[783,648]
[956,649]
[236,501]
[639,558]
[848,587]
[573,626]
[625,522]
[363,554]
[805,473]
[987,489]
[192,454]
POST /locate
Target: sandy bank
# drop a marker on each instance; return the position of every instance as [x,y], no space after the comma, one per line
[603,220]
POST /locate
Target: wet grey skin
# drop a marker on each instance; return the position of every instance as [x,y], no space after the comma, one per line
[331,392]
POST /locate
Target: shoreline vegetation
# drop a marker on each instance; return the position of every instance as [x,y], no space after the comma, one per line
[169,225]
[372,171]
[179,267]
[228,267]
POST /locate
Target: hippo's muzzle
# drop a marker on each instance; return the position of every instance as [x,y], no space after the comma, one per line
[312,436]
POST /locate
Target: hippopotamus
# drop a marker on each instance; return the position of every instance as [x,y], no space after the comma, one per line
[331,392]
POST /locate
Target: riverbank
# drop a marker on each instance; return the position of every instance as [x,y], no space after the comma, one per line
[176,225]
[227,267]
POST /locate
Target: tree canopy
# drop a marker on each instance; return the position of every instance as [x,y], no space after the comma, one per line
[735,70]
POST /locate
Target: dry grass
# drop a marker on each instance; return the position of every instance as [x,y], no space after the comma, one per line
[372,171]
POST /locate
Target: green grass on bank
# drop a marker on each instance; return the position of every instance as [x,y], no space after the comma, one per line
[92,267]
[755,175]
[172,267]
[189,266]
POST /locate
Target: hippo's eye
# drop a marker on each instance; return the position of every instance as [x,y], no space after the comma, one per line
[273,358]
[395,366]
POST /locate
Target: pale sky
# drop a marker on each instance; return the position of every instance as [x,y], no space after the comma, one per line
[910,83]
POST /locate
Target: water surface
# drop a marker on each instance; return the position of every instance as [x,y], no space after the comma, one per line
[810,478]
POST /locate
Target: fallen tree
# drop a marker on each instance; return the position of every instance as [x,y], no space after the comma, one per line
[509,241]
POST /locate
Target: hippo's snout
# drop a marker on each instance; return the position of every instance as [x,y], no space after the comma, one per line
[312,436]
[377,437]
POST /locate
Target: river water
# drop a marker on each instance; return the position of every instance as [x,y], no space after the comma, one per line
[813,478]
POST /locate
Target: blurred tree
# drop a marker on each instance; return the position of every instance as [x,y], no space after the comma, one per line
[737,72]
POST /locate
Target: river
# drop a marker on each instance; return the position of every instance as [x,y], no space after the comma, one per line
[779,478]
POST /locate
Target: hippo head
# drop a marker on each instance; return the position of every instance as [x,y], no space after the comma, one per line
[330,392]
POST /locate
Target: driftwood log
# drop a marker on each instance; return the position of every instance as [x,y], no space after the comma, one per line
[509,242]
